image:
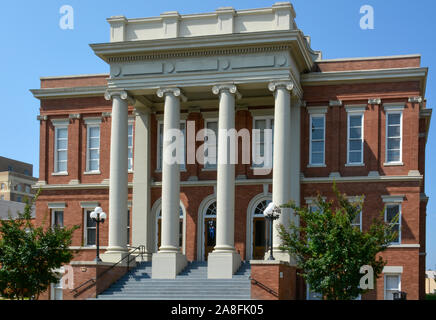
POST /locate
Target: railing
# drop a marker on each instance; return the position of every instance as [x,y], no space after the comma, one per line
[92,281]
[264,287]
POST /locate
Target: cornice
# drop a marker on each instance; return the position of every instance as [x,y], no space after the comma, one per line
[403,74]
[53,93]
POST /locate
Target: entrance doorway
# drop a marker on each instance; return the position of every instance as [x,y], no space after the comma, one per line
[209,229]
[260,231]
[159,229]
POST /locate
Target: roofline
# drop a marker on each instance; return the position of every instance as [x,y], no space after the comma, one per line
[75,76]
[372,58]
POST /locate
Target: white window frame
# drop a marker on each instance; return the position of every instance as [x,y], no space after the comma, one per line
[316,112]
[268,120]
[354,200]
[92,123]
[356,111]
[53,216]
[58,285]
[208,166]
[389,110]
[399,219]
[385,290]
[159,154]
[130,147]
[85,228]
[59,124]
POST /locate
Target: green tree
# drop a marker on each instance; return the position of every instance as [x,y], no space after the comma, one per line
[330,251]
[29,255]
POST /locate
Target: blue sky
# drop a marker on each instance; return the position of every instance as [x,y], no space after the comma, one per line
[34,45]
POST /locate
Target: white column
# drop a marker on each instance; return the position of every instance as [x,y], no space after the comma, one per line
[224,261]
[169,261]
[141,216]
[281,192]
[118,184]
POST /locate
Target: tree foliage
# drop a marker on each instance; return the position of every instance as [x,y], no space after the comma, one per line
[330,251]
[29,255]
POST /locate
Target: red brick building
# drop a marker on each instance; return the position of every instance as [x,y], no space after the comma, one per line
[361,122]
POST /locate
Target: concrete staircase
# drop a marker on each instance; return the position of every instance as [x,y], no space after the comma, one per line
[190,284]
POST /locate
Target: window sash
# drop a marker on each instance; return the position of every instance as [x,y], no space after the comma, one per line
[130,147]
[398,223]
[355,140]
[258,140]
[390,290]
[93,148]
[58,218]
[317,157]
[90,229]
[394,137]
[61,149]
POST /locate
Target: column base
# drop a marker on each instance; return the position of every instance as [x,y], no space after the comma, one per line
[167,265]
[114,256]
[222,265]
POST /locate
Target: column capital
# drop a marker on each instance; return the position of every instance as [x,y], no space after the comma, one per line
[226,87]
[288,85]
[109,94]
[161,92]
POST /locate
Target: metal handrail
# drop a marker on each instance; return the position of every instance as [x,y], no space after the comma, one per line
[141,249]
[260,284]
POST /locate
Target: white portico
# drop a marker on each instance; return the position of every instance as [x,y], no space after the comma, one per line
[174,62]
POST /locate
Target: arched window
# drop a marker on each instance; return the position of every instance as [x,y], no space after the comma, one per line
[210,228]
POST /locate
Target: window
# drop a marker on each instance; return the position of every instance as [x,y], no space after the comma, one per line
[27,189]
[90,229]
[317,140]
[61,149]
[311,295]
[394,136]
[392,285]
[357,221]
[58,218]
[210,154]
[130,146]
[19,199]
[2,197]
[391,212]
[355,138]
[93,145]
[2,186]
[19,188]
[26,172]
[10,168]
[259,147]
[160,145]
[56,290]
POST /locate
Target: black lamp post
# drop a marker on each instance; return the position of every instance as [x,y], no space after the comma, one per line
[98,216]
[271,213]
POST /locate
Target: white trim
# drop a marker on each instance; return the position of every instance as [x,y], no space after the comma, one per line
[393,269]
[371,58]
[92,121]
[399,219]
[352,113]
[89,126]
[384,282]
[390,112]
[317,110]
[318,115]
[56,205]
[393,106]
[405,245]
[85,228]
[393,198]
[58,125]
[89,204]
[358,108]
